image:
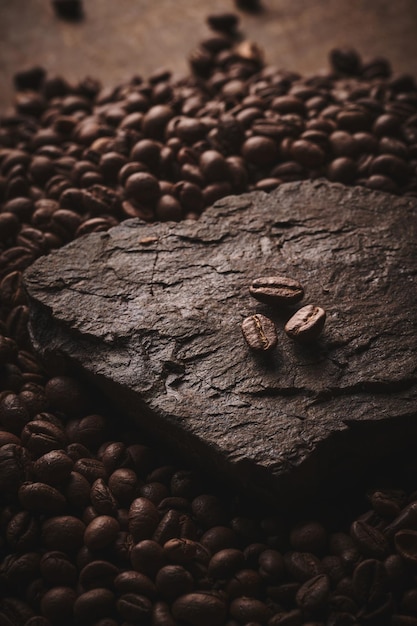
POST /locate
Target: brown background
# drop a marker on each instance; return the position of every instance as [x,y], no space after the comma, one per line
[119,38]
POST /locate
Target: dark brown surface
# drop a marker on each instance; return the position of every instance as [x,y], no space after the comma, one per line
[153,314]
[118,39]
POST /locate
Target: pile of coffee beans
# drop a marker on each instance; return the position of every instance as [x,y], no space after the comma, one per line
[97,526]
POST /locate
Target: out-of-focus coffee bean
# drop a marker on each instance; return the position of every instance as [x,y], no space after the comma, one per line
[246,610]
[261,151]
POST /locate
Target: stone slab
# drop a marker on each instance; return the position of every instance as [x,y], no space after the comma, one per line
[152,314]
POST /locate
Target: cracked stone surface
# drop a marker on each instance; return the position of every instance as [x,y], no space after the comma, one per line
[152,314]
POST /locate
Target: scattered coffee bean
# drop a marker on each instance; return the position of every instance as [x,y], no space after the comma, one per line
[260,332]
[276,290]
[306,324]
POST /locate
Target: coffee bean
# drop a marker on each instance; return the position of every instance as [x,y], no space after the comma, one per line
[306,324]
[219,538]
[173,581]
[143,519]
[313,594]
[246,610]
[208,510]
[98,574]
[101,532]
[41,498]
[58,603]
[134,607]
[302,566]
[199,609]
[77,491]
[225,563]
[370,541]
[22,532]
[93,605]
[261,151]
[260,332]
[64,533]
[406,545]
[57,569]
[147,557]
[271,566]
[276,290]
[53,468]
[370,582]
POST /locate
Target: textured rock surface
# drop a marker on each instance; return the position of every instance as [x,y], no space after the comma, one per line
[153,313]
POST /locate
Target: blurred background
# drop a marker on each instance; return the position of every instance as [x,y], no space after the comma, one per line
[116,39]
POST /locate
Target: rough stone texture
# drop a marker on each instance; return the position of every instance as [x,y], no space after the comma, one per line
[153,313]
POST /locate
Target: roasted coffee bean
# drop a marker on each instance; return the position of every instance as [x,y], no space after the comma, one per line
[98,574]
[130,581]
[57,569]
[101,532]
[313,594]
[302,565]
[77,491]
[102,498]
[90,469]
[271,566]
[173,581]
[41,498]
[370,541]
[219,538]
[199,609]
[134,607]
[22,532]
[259,332]
[19,570]
[261,151]
[94,605]
[306,324]
[406,545]
[250,610]
[57,604]
[66,395]
[123,484]
[41,436]
[64,533]
[276,290]
[147,557]
[180,551]
[223,22]
[225,563]
[53,468]
[143,519]
[14,466]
